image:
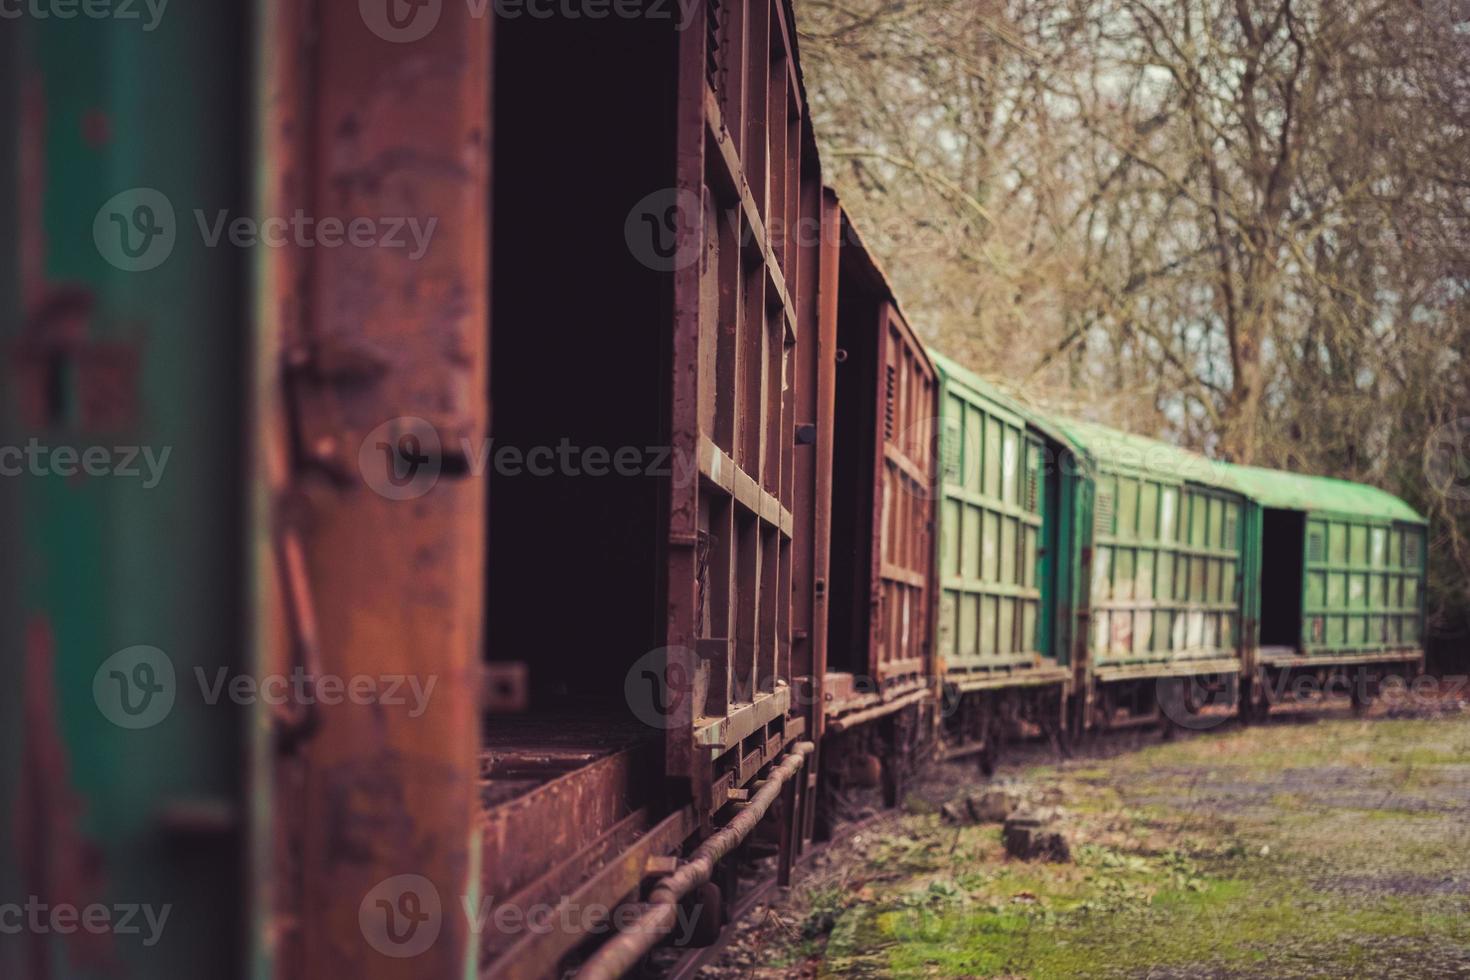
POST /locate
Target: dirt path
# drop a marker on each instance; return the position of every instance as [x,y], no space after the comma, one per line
[1319,848]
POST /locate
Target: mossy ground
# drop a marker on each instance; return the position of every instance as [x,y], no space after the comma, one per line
[1336,848]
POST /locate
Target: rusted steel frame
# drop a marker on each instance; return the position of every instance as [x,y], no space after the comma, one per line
[842,723]
[560,818]
[538,955]
[830,230]
[1167,668]
[621,953]
[878,615]
[681,759]
[357,126]
[979,681]
[817,265]
[1344,660]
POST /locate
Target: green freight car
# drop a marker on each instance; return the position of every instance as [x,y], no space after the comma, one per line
[1162,556]
[1341,584]
[1005,547]
[120,378]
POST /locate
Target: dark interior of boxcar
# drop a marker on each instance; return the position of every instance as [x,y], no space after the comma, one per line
[853,463]
[579,352]
[1049,558]
[1282,537]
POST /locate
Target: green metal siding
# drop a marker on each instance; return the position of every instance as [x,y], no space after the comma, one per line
[990,528]
[1166,570]
[1362,587]
[146,816]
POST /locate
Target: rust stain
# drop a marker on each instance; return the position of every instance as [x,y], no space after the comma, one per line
[58,864]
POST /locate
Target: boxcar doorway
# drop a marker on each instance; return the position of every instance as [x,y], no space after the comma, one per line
[1283,533]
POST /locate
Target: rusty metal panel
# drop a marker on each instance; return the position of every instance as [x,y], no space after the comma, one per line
[903,513]
[379,552]
[882,539]
[739,387]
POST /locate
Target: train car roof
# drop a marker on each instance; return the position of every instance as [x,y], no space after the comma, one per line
[1104,447]
[1321,494]
[1114,450]
[953,370]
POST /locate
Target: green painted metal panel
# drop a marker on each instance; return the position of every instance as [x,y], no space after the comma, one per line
[1362,586]
[120,817]
[1166,570]
[990,511]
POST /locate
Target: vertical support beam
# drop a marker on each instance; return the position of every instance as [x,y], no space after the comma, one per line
[376,345]
[684,384]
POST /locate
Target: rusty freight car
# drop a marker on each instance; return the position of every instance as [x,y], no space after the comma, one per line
[878,683]
[648,629]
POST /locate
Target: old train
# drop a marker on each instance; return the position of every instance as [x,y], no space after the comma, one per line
[526,413]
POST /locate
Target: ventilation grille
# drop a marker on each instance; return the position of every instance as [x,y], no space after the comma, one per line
[891,387]
[713,21]
[1314,546]
[1102,517]
[950,452]
[1230,531]
[1033,490]
[1411,551]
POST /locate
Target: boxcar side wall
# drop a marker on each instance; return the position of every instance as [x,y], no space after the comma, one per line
[903,556]
[992,564]
[739,182]
[1362,586]
[1166,578]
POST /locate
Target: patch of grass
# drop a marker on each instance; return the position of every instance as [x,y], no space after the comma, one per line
[1217,853]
